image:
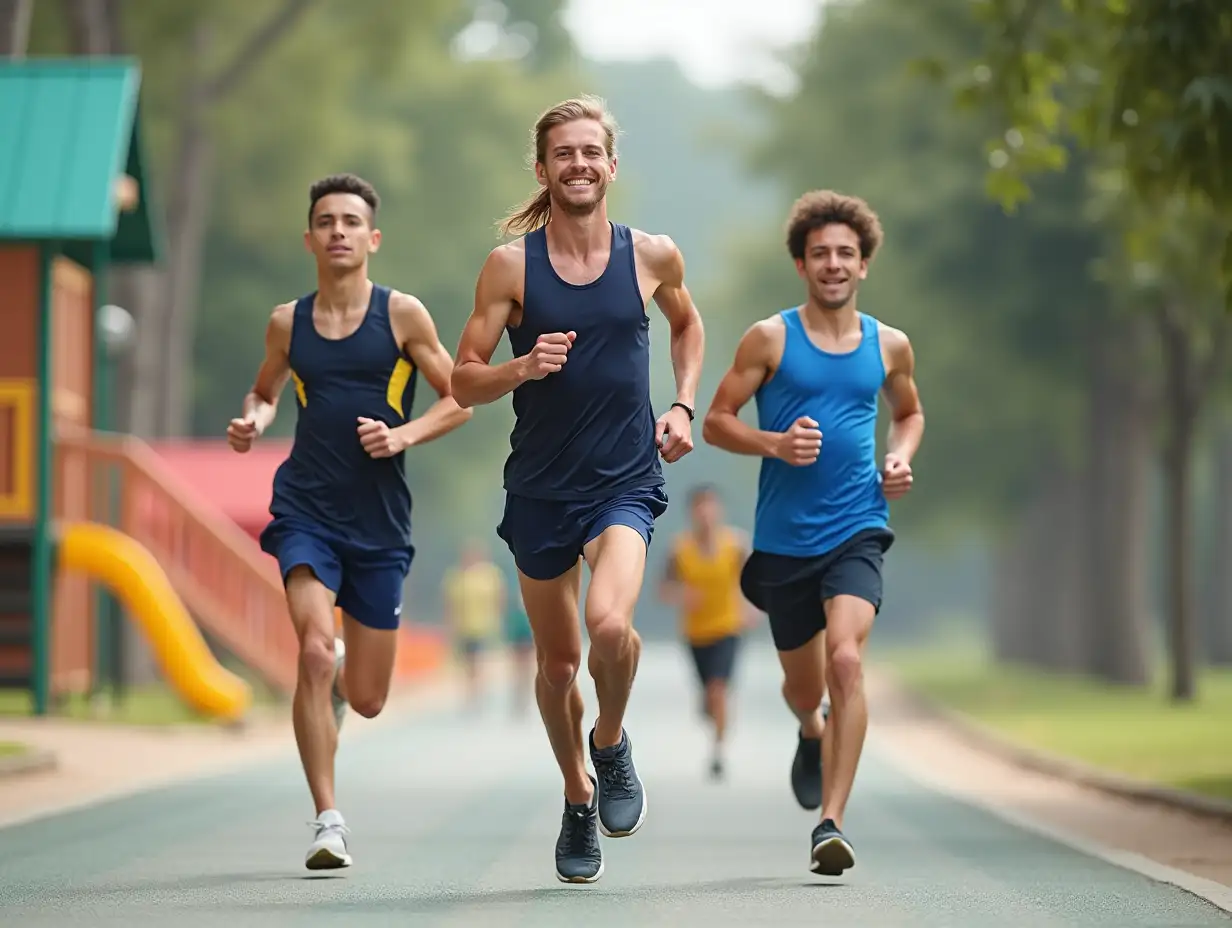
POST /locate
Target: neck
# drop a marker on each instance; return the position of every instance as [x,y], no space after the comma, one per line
[579,235]
[703,536]
[339,291]
[836,322]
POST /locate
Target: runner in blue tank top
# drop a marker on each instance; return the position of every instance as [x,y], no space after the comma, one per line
[583,478]
[342,510]
[821,524]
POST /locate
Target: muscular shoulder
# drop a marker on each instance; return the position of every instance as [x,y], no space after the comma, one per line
[764,338]
[405,308]
[659,253]
[278,331]
[507,261]
[896,346]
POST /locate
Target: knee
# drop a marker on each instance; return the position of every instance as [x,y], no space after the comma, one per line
[316,660]
[559,669]
[369,706]
[846,670]
[803,695]
[609,632]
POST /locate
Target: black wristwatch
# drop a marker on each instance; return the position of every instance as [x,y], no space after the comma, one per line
[685,408]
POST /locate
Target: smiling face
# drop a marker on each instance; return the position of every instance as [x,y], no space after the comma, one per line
[832,266]
[575,166]
[340,233]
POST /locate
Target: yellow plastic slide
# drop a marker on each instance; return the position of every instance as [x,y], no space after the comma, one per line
[130,571]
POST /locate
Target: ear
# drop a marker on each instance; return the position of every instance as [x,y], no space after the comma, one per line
[308,241]
[863,268]
[611,170]
[374,241]
[541,174]
[800,268]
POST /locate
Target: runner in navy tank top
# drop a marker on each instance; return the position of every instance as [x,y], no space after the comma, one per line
[583,479]
[822,519]
[342,510]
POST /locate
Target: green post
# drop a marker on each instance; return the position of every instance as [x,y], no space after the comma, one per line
[41,556]
[106,640]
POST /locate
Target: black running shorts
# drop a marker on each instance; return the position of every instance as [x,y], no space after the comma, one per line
[792,590]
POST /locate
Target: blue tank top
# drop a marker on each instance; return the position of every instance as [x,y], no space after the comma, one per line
[587,431]
[806,511]
[328,479]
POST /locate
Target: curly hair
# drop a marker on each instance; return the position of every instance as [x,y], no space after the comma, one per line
[819,208]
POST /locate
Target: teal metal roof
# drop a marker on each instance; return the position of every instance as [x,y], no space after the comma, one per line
[70,130]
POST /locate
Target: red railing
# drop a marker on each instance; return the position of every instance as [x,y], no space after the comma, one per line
[224,578]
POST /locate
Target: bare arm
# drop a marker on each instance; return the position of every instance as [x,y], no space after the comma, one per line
[688,338]
[722,426]
[902,396]
[669,583]
[475,381]
[431,359]
[906,415]
[261,402]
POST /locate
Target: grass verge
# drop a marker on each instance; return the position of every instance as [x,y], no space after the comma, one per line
[153,704]
[1136,732]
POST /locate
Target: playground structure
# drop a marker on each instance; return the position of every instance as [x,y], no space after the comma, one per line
[94,523]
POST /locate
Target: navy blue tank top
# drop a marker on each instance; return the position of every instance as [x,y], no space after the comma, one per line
[587,431]
[328,479]
[806,511]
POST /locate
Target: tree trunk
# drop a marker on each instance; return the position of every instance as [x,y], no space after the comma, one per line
[1218,624]
[1181,402]
[1036,611]
[15,17]
[1115,625]
[187,221]
[1007,609]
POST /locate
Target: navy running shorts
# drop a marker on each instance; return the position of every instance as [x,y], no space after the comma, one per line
[546,536]
[715,660]
[792,590]
[366,582]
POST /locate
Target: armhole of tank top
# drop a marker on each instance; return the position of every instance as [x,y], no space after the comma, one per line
[627,235]
[875,327]
[297,312]
[389,325]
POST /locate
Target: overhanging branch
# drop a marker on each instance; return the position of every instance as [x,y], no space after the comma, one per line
[251,51]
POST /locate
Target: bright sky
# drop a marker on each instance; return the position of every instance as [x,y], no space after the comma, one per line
[716,42]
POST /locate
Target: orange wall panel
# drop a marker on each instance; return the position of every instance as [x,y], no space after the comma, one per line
[72,335]
[19,303]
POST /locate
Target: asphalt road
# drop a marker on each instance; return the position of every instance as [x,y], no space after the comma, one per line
[454,817]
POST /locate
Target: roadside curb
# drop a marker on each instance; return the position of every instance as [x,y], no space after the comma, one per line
[27,762]
[985,738]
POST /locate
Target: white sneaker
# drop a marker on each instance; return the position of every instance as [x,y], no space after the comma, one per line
[328,850]
[339,704]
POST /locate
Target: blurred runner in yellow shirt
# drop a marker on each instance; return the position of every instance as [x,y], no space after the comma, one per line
[474,597]
[703,581]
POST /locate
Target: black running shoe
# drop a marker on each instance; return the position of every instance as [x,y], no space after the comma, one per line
[579,859]
[832,853]
[806,773]
[622,799]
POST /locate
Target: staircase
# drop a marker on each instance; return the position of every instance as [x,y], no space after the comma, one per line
[16,632]
[231,587]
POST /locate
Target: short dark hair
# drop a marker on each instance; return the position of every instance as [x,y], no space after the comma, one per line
[701,491]
[820,208]
[343,183]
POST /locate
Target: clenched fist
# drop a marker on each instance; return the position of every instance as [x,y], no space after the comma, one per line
[549,354]
[241,433]
[800,445]
[378,439]
[896,477]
